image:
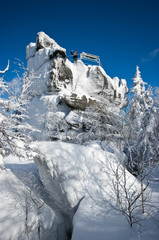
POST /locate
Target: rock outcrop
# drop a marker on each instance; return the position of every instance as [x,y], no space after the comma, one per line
[53,72]
[75,85]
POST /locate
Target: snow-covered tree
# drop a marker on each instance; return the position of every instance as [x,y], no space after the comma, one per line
[139,121]
[139,84]
[156,123]
[157,97]
[141,138]
[97,123]
[124,194]
[14,131]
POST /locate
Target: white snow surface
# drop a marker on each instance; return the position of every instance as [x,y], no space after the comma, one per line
[81,172]
[30,50]
[24,205]
[85,172]
[41,109]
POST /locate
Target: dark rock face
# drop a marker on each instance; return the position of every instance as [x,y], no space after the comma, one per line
[64,73]
[76,102]
[80,103]
[58,53]
[43,41]
[60,75]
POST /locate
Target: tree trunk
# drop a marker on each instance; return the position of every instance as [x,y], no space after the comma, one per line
[142,195]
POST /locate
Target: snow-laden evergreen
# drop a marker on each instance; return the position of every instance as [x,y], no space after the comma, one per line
[13,127]
[142,143]
[139,84]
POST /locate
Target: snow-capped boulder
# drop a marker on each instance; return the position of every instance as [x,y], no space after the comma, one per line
[67,169]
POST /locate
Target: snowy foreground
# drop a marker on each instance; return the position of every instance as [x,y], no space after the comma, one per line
[74,177]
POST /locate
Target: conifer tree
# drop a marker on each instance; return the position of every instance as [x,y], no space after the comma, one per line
[141,138]
[14,131]
[139,84]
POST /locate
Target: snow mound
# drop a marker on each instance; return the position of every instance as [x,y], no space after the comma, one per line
[75,166]
[26,211]
[82,181]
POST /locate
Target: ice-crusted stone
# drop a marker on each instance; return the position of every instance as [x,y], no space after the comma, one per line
[44,40]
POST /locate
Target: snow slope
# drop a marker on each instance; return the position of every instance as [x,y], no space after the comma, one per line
[75,174]
[77,187]
[26,211]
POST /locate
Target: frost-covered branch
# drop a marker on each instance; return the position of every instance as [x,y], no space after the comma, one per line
[14,130]
[123,193]
[6,69]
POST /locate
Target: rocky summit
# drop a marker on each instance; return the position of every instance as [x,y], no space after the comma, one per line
[61,86]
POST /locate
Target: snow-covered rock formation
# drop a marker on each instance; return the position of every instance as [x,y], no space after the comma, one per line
[54,72]
[64,98]
[58,85]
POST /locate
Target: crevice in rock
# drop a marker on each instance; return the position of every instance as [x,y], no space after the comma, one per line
[58,196]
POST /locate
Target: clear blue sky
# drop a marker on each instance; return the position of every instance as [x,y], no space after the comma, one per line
[123,33]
